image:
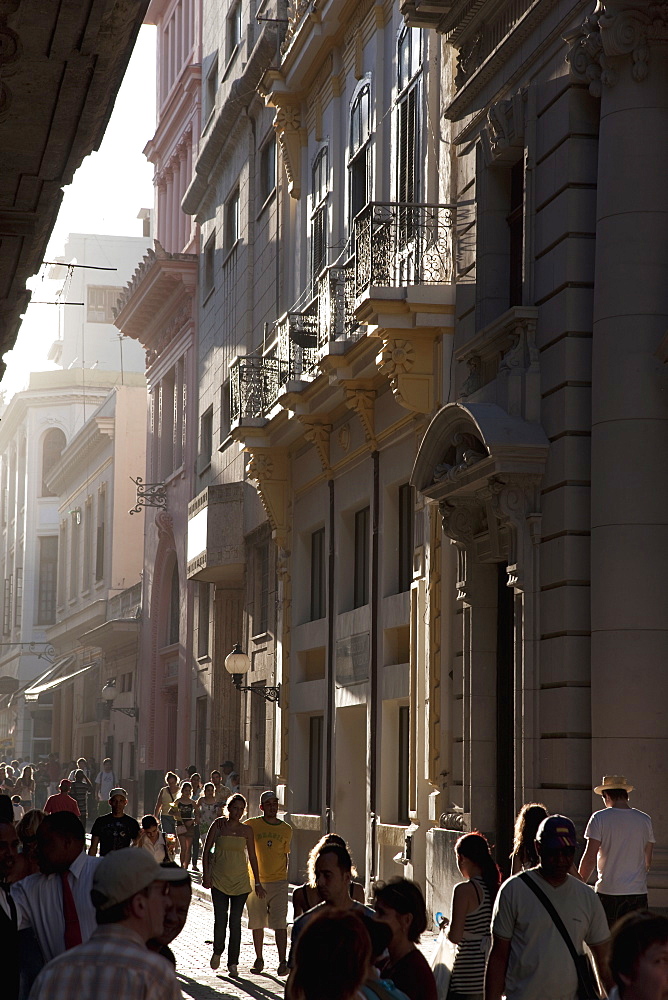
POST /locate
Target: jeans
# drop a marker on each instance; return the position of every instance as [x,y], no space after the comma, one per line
[616,906]
[196,845]
[221,902]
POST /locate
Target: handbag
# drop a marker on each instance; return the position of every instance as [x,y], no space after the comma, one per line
[587,989]
[442,963]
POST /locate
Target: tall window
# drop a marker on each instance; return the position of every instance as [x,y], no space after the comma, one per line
[167,409]
[75,536]
[318,574]
[361,578]
[62,564]
[409,57]
[208,264]
[403,764]
[359,164]
[405,536]
[18,595]
[319,189]
[48,575]
[315,746]
[211,88]
[515,220]
[88,543]
[267,169]
[7,606]
[261,622]
[206,439]
[100,534]
[232,231]
[234,29]
[173,631]
[203,615]
[52,448]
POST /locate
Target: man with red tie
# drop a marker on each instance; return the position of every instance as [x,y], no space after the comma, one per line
[56,902]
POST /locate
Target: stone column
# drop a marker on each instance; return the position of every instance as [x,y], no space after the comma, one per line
[629,540]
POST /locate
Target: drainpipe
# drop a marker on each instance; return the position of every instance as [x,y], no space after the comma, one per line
[331,666]
[373,674]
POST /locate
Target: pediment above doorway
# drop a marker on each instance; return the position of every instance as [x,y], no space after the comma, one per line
[466,446]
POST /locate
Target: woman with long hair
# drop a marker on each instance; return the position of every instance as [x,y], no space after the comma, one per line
[306,896]
[26,862]
[400,904]
[183,811]
[528,820]
[226,874]
[25,787]
[166,796]
[472,903]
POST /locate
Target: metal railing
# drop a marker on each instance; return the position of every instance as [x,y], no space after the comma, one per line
[255,382]
[400,244]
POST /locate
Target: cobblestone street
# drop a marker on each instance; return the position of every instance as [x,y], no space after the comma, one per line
[199,981]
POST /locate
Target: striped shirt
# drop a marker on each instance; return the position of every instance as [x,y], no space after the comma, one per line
[114,965]
[468,971]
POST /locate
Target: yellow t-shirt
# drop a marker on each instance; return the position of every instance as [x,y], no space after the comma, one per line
[272,845]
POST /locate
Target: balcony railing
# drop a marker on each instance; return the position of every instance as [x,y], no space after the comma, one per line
[403,244]
[255,382]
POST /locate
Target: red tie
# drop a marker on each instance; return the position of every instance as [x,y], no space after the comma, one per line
[72,927]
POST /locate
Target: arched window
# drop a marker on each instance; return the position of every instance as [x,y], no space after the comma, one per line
[319,190]
[174,608]
[52,449]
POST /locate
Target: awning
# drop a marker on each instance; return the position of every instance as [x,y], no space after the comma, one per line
[43,683]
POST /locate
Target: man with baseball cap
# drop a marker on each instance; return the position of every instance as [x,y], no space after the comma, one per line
[620,841]
[530,959]
[131,897]
[272,846]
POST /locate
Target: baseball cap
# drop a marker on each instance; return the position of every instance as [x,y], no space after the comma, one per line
[122,874]
[118,791]
[267,796]
[556,831]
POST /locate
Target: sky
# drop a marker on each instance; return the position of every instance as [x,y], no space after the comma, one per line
[107,192]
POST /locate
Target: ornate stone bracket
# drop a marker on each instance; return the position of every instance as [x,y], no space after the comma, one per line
[268,468]
[503,134]
[287,124]
[318,433]
[361,397]
[408,363]
[616,28]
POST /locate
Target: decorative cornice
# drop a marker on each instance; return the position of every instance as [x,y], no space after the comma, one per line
[616,28]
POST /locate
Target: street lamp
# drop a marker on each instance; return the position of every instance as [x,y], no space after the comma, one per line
[237,664]
[108,695]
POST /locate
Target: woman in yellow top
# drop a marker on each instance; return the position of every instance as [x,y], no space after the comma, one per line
[225,872]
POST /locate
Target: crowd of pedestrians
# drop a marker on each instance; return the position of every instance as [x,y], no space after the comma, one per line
[101,926]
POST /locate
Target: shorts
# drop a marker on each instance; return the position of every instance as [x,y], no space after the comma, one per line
[272,911]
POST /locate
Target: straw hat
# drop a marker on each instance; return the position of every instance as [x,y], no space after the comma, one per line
[613,781]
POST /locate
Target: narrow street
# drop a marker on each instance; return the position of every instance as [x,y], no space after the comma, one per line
[193,951]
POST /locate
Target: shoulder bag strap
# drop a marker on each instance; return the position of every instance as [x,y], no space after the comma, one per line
[558,922]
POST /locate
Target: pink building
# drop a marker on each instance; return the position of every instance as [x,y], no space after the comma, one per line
[159,309]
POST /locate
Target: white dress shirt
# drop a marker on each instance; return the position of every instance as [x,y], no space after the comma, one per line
[39,904]
[4,903]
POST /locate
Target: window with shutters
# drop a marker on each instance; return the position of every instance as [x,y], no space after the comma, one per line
[515,220]
[359,155]
[409,86]
[7,606]
[101,303]
[319,191]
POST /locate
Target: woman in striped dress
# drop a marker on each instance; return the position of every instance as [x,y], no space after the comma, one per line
[472,903]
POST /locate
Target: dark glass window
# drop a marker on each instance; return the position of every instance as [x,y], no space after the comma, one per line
[318,574]
[515,222]
[315,764]
[361,579]
[405,536]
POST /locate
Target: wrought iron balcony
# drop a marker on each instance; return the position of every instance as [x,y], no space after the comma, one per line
[255,382]
[403,244]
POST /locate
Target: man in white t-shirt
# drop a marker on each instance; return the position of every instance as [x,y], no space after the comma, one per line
[620,841]
[530,959]
[105,781]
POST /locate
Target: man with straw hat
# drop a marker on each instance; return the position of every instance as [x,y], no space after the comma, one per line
[619,844]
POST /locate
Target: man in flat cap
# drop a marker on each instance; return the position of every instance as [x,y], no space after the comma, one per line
[620,841]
